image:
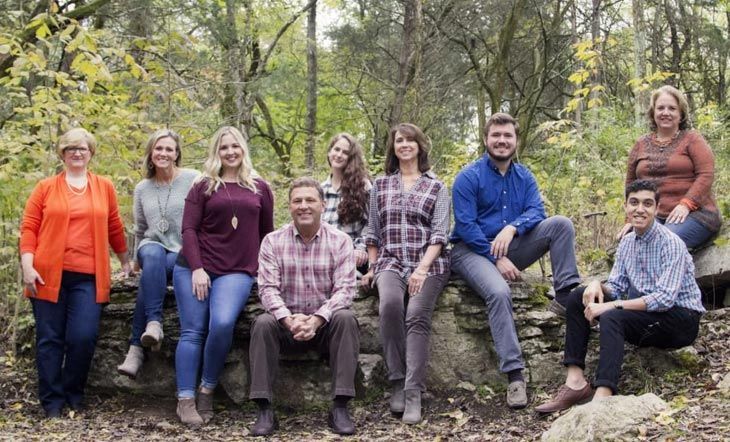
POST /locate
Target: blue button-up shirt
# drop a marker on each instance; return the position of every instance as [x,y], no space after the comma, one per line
[657,267]
[485,202]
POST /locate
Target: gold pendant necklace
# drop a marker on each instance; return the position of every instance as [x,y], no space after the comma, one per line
[234,218]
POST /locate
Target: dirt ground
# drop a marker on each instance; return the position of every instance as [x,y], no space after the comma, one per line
[699,411]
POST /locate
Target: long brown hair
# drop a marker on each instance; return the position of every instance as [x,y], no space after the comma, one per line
[353,195]
[411,132]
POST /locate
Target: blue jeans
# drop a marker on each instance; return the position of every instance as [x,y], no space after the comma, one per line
[66,334]
[691,231]
[206,327]
[157,263]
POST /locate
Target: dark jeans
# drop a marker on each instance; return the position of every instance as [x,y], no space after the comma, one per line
[674,328]
[66,334]
[339,339]
[157,264]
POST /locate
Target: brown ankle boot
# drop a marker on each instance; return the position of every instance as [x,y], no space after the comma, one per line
[204,404]
[187,413]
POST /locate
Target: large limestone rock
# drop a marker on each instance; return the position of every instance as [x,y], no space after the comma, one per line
[712,269]
[462,351]
[609,419]
[461,347]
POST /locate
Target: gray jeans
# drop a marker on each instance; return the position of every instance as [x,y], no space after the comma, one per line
[556,235]
[405,326]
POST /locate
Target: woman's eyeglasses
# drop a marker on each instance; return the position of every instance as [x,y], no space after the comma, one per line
[76,149]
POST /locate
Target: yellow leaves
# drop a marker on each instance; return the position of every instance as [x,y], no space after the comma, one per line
[579,76]
[4,49]
[42,31]
[650,81]
[459,416]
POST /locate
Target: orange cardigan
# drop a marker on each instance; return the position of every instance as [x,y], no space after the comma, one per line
[45,225]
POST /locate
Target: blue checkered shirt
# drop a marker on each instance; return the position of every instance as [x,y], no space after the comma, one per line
[657,267]
[356,230]
[403,224]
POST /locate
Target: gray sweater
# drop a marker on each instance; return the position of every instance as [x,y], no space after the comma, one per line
[148,198]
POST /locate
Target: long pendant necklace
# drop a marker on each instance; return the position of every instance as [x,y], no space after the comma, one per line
[234,218]
[163,225]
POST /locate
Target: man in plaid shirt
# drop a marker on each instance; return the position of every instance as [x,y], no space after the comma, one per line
[651,299]
[306,284]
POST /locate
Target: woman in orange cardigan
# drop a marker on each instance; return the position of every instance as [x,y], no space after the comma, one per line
[69,222]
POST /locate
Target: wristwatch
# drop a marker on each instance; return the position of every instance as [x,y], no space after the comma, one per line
[619,304]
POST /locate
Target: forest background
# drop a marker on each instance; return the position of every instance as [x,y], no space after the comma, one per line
[291,73]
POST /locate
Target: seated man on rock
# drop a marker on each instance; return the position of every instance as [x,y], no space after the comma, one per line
[306,284]
[500,229]
[651,299]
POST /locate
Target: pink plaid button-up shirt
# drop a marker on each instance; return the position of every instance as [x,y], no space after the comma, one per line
[317,277]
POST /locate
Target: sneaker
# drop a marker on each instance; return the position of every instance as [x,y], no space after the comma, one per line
[565,398]
[517,395]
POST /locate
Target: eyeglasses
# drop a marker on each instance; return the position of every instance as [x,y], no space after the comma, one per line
[76,149]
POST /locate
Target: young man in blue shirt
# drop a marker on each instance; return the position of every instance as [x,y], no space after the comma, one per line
[500,229]
[651,299]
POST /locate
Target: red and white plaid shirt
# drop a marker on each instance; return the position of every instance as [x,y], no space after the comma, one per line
[317,277]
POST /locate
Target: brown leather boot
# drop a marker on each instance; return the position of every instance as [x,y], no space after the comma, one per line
[204,404]
[187,413]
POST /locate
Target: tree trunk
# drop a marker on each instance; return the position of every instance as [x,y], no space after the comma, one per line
[501,64]
[409,59]
[311,124]
[641,99]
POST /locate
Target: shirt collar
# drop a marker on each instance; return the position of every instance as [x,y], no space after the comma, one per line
[494,168]
[650,234]
[298,235]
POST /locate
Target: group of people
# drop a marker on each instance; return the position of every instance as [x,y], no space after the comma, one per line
[212,234]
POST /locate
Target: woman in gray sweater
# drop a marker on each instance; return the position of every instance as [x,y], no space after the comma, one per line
[158,208]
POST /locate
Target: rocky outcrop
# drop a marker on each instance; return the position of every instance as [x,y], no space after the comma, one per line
[461,348]
[712,270]
[462,352]
[612,418]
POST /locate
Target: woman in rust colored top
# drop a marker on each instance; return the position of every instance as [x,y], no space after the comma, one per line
[681,162]
[70,220]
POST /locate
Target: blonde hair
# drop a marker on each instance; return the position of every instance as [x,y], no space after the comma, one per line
[159,134]
[74,137]
[212,167]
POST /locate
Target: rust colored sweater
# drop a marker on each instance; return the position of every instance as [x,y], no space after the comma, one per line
[683,170]
[45,228]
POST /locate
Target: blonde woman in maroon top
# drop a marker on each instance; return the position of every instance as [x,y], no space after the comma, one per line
[681,163]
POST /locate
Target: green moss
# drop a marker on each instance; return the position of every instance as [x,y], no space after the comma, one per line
[539,298]
[688,360]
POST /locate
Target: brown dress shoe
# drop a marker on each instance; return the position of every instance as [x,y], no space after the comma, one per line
[266,422]
[340,422]
[565,398]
